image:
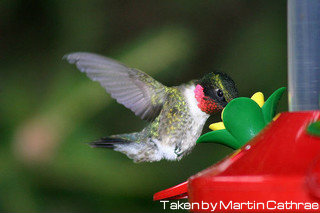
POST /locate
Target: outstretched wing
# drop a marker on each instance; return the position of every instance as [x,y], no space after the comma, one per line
[133,88]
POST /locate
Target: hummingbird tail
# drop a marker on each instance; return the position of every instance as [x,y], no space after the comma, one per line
[130,145]
[108,142]
[111,141]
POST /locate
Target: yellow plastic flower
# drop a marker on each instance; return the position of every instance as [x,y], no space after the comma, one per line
[217,126]
[258,97]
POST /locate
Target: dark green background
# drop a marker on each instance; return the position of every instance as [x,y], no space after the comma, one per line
[49,110]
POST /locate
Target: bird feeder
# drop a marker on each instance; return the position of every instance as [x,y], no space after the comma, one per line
[276,164]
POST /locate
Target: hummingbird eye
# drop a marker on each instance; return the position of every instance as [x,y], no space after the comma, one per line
[219,93]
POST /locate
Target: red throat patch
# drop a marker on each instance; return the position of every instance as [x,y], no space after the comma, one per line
[205,103]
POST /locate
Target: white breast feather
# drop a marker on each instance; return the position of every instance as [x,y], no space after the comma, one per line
[196,113]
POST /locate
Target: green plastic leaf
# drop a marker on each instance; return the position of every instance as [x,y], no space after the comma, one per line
[220,136]
[314,129]
[243,118]
[270,106]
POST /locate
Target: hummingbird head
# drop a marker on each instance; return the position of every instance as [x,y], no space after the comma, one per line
[214,91]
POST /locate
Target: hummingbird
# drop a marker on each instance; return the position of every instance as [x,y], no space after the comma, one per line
[176,115]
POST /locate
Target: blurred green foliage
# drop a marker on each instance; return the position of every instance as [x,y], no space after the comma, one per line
[48,110]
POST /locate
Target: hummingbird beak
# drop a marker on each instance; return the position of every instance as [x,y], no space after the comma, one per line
[224,104]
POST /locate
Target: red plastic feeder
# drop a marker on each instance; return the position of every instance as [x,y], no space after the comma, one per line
[281,164]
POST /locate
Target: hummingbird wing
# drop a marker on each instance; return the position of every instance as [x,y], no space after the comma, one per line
[133,88]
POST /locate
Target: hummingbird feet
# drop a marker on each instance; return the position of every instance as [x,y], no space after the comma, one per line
[178,151]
